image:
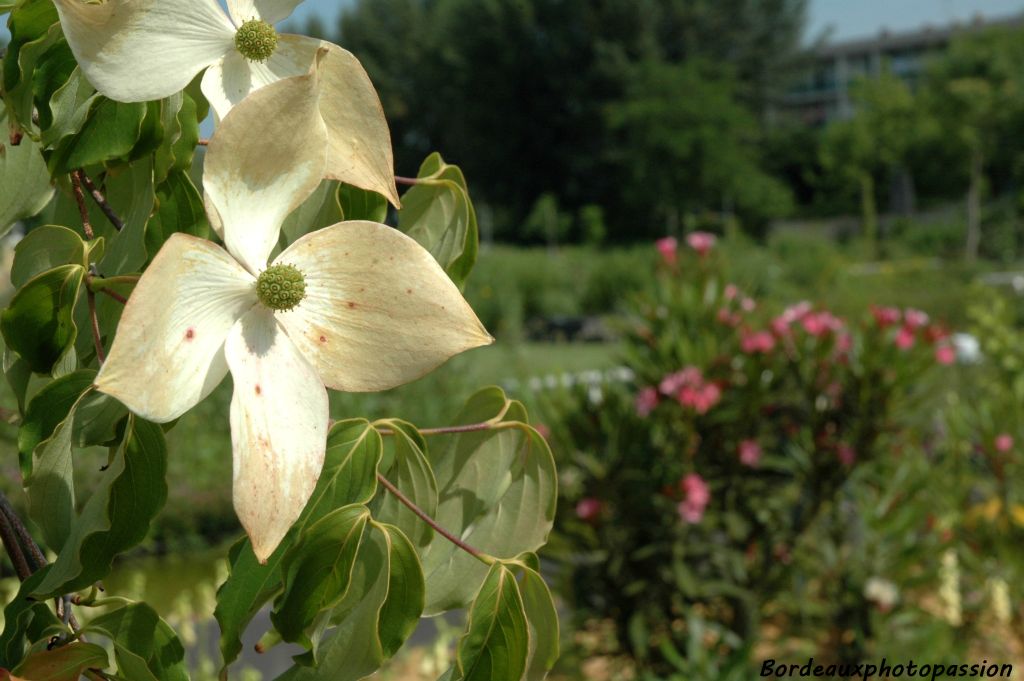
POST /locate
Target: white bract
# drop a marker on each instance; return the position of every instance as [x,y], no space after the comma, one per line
[357,306]
[141,50]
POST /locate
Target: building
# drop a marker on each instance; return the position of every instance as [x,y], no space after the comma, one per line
[823,94]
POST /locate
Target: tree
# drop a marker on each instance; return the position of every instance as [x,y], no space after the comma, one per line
[886,125]
[685,145]
[535,80]
[976,91]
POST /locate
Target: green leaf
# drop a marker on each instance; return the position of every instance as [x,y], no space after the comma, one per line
[317,570]
[65,663]
[96,420]
[18,376]
[181,134]
[406,591]
[117,513]
[320,210]
[179,208]
[378,612]
[361,204]
[130,192]
[111,131]
[145,647]
[410,472]
[70,105]
[49,407]
[44,443]
[25,187]
[38,323]
[34,28]
[438,214]
[497,492]
[25,621]
[152,130]
[45,248]
[495,646]
[349,476]
[542,621]
[53,70]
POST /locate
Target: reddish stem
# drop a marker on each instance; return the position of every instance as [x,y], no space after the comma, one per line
[408,503]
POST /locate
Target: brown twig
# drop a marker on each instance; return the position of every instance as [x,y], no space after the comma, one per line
[22,538]
[13,546]
[22,533]
[408,503]
[100,355]
[101,201]
[116,296]
[83,210]
[406,180]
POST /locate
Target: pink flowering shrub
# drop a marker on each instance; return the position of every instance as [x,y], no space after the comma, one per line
[743,424]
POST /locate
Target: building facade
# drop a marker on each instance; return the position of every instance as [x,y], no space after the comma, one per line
[823,93]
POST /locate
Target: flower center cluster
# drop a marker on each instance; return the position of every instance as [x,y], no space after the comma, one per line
[256,40]
[281,287]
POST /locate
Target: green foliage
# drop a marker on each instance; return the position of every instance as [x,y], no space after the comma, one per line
[324,556]
[145,647]
[437,212]
[505,515]
[494,646]
[133,481]
[66,663]
[38,323]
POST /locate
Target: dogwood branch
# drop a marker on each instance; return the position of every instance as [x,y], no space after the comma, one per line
[13,547]
[101,356]
[83,210]
[408,503]
[101,201]
[468,428]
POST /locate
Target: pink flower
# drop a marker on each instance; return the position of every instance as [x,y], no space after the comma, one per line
[646,400]
[945,354]
[905,338]
[844,342]
[1004,443]
[748,305]
[915,319]
[702,242]
[793,313]
[731,291]
[750,453]
[727,317]
[701,398]
[820,323]
[886,316]
[760,341]
[691,509]
[671,384]
[847,455]
[668,247]
[588,509]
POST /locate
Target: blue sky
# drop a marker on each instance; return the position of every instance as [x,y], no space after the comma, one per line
[850,18]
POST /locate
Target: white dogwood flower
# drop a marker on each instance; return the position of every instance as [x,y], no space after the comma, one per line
[357,306]
[141,50]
